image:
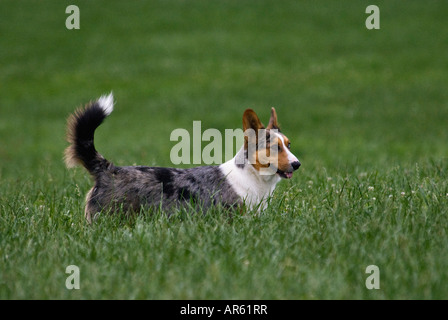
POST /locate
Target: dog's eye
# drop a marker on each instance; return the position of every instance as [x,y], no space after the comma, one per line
[279,148]
[289,145]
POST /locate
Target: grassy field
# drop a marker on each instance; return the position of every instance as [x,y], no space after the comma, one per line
[366,112]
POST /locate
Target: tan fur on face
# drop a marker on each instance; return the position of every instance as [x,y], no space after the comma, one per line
[278,159]
[282,156]
[262,158]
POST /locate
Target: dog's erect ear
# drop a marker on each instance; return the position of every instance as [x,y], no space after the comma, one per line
[251,125]
[251,121]
[273,124]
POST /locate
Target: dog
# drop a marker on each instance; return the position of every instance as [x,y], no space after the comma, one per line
[246,180]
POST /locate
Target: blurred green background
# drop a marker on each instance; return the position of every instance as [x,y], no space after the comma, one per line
[371,105]
[344,94]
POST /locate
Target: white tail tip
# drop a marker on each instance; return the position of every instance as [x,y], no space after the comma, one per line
[106,103]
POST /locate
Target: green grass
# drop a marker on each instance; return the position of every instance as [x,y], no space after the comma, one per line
[366,112]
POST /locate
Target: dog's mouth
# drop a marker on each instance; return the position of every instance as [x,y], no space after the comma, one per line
[284,174]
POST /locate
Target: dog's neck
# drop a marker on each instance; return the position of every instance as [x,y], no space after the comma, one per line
[253,187]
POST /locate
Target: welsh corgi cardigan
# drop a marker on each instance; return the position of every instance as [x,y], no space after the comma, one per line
[132,188]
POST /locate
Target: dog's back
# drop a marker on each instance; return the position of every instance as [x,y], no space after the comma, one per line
[130,189]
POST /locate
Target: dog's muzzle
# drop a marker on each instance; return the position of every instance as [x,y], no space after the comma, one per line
[288,174]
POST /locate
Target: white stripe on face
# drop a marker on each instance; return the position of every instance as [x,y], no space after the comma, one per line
[291,158]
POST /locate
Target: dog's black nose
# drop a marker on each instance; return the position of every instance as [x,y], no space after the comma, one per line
[295,165]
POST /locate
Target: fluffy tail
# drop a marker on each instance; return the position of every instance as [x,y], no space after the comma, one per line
[81,127]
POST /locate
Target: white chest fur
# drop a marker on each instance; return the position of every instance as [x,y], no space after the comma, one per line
[253,188]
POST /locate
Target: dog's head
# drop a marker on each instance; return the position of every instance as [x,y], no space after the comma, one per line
[267,149]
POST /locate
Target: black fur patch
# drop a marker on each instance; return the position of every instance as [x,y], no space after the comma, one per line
[134,190]
[186,195]
[165,177]
[192,179]
[268,139]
